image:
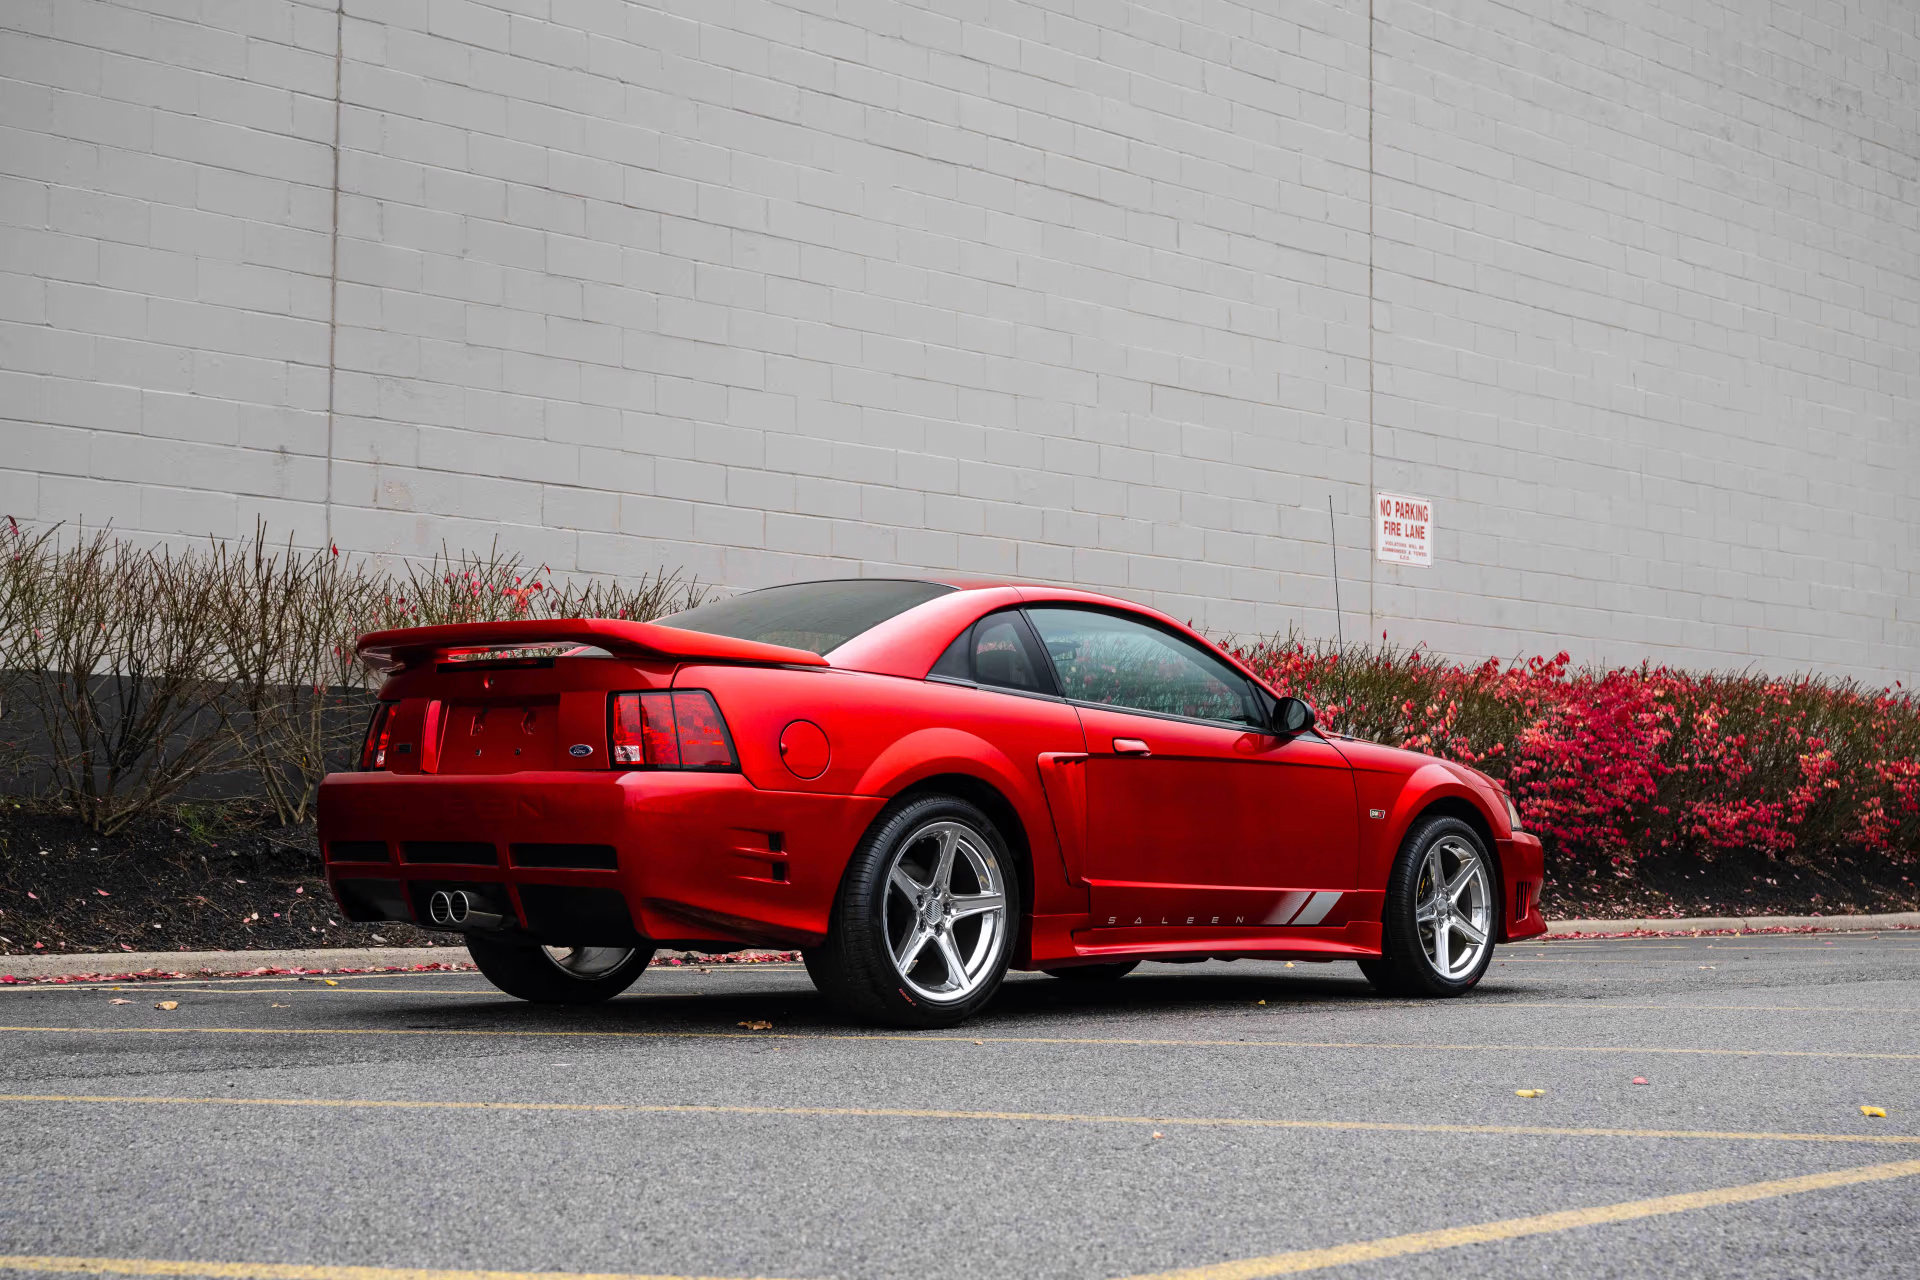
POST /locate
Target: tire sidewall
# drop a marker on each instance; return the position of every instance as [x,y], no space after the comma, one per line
[1401,933]
[529,973]
[856,970]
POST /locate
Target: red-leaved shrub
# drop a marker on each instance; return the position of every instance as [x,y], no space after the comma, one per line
[1611,766]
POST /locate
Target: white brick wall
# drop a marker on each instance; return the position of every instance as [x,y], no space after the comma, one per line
[1070,291]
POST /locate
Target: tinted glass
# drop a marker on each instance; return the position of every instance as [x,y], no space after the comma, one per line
[1004,655]
[1103,658]
[816,616]
[957,662]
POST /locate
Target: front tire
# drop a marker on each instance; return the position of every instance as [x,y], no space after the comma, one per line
[1442,913]
[924,922]
[558,975]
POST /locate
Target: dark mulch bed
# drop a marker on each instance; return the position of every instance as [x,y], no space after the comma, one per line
[208,878]
[204,879]
[1739,885]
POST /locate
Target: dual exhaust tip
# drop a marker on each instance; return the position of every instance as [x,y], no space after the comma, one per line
[457,909]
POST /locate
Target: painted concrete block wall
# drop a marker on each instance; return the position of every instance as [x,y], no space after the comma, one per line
[166,213]
[1119,294]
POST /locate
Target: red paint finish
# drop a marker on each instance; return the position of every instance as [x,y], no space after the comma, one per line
[804,750]
[1137,833]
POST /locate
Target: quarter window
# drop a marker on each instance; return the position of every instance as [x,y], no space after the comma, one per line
[1118,662]
[999,650]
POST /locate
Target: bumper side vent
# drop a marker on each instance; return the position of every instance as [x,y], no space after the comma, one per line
[571,857]
[358,851]
[465,853]
[1520,894]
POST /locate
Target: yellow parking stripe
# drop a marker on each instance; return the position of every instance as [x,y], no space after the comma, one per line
[287,1271]
[1303,1260]
[929,1113]
[1366,1046]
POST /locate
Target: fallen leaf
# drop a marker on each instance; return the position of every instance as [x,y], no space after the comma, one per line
[283,1006]
[125,947]
[330,982]
[1639,1079]
[1878,1113]
[979,1041]
[168,1004]
[103,893]
[1529,1093]
[1259,1001]
[1158,1134]
[1289,964]
[118,1000]
[757,1025]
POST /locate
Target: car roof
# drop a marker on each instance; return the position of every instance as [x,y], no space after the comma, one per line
[908,643]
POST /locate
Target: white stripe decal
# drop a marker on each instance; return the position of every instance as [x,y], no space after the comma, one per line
[1316,910]
[1288,906]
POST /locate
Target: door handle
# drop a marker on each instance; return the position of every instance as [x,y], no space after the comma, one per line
[1131,747]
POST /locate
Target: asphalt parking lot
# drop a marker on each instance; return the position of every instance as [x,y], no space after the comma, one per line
[1214,1121]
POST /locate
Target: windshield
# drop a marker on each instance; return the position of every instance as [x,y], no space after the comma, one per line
[815,616]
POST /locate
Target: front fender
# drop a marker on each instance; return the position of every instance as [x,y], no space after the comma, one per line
[1417,792]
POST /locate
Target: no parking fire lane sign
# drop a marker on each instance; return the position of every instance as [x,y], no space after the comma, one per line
[1402,529]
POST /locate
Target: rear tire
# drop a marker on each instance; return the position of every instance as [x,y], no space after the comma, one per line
[1094,972]
[1442,914]
[558,975]
[924,922]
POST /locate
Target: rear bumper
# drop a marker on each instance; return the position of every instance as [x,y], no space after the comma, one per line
[1523,872]
[590,858]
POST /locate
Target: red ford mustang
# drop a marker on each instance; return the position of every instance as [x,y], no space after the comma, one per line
[918,784]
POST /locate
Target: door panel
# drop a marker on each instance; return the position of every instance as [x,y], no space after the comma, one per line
[1215,827]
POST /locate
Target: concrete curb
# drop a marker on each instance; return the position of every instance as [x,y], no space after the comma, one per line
[194,963]
[314,960]
[333,959]
[1737,924]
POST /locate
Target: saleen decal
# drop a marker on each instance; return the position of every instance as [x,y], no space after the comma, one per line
[1296,908]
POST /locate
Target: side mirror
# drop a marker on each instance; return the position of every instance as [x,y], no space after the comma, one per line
[1292,716]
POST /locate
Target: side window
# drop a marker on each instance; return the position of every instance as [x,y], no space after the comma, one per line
[1116,661]
[998,650]
[955,663]
[1004,654]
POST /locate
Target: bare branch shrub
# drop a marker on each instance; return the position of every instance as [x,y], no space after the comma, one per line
[128,675]
[294,693]
[114,650]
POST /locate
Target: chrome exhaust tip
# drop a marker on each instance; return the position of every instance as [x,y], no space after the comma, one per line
[456,909]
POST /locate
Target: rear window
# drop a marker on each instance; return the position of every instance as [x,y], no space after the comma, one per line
[815,616]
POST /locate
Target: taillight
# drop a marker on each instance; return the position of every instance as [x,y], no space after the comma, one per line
[678,730]
[373,754]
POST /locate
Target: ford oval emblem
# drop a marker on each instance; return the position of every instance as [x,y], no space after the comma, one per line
[580,749]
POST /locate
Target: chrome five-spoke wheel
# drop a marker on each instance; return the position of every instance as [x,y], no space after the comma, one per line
[1441,916]
[926,918]
[946,911]
[1453,907]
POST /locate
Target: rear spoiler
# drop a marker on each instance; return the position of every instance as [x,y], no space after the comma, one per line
[386,651]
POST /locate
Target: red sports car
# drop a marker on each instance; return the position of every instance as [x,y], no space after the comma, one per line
[917,784]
